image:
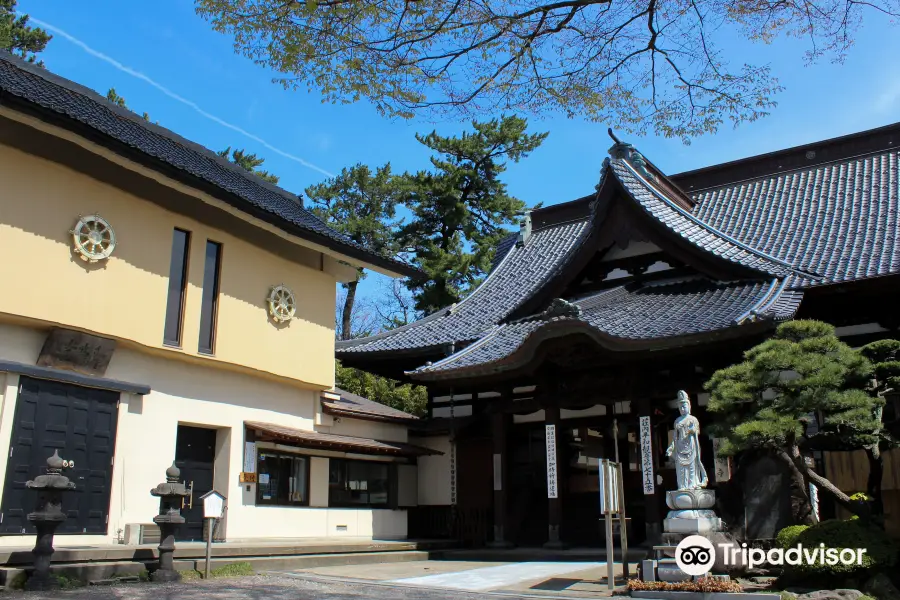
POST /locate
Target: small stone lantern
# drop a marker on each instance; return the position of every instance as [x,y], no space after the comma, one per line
[171,497]
[46,518]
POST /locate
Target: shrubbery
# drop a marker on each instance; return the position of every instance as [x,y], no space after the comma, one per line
[787,537]
[880,555]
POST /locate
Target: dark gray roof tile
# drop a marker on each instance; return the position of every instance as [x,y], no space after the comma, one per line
[837,219]
[518,275]
[638,312]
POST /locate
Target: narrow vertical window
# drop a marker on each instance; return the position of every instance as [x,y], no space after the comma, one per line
[181,241]
[210,302]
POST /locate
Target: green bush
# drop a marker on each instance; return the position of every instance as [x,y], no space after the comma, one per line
[787,537]
[880,555]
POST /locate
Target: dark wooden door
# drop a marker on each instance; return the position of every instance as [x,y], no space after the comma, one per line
[80,423]
[195,455]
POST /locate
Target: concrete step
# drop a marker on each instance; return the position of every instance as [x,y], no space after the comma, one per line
[96,571]
[15,557]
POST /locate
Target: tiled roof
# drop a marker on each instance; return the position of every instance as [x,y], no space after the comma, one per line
[354,405]
[656,202]
[521,272]
[822,224]
[76,103]
[636,312]
[343,443]
[838,219]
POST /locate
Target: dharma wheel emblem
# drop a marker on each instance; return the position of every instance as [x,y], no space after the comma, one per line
[282,304]
[93,238]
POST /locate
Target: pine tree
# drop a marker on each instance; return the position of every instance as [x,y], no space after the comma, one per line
[361,205]
[18,37]
[769,401]
[118,100]
[461,206]
[249,162]
[885,358]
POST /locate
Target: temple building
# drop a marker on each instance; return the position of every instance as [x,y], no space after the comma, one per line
[600,309]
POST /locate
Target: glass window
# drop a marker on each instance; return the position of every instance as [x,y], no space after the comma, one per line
[358,483]
[210,297]
[177,285]
[283,479]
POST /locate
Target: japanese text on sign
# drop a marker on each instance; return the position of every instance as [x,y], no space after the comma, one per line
[552,492]
[647,457]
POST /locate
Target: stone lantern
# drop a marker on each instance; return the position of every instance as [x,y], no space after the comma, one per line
[46,518]
[171,497]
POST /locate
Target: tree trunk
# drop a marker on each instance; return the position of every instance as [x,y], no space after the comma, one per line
[347,313]
[800,482]
[873,484]
[822,483]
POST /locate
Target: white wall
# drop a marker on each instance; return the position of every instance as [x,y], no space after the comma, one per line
[214,398]
[371,429]
[434,472]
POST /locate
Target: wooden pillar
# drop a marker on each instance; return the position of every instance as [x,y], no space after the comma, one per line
[554,499]
[653,523]
[499,429]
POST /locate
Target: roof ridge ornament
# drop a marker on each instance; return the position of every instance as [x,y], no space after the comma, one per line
[524,230]
[624,151]
[560,309]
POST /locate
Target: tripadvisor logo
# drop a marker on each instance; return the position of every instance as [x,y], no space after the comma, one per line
[695,555]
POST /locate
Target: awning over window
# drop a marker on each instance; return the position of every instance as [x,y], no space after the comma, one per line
[338,443]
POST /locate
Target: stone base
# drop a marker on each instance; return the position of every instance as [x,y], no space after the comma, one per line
[667,570]
[165,576]
[692,514]
[690,499]
[693,526]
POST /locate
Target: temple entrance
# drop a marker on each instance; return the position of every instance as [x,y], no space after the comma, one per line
[583,443]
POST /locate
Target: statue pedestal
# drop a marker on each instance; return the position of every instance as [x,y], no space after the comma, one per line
[691,512]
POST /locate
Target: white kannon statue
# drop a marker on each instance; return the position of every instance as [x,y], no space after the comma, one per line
[686,447]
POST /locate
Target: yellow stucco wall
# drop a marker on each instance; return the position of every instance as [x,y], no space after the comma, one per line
[125,297]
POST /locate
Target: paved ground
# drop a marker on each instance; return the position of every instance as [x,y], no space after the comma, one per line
[271,587]
[551,579]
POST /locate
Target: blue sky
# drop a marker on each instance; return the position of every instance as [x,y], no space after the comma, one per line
[168,43]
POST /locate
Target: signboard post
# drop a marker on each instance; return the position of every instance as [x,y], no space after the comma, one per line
[213,507]
[612,503]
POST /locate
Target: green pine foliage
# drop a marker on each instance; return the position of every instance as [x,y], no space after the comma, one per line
[18,37]
[406,397]
[118,100]
[769,400]
[362,205]
[461,208]
[249,162]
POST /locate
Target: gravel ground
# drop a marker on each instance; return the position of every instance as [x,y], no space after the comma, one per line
[257,587]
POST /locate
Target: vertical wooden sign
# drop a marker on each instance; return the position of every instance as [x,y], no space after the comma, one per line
[552,480]
[647,475]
